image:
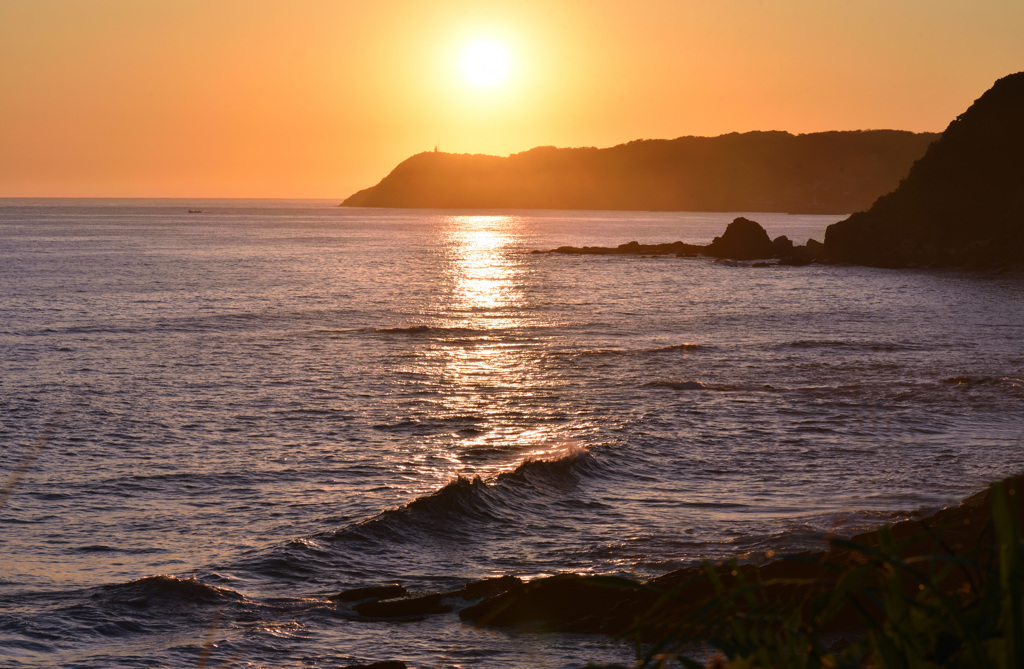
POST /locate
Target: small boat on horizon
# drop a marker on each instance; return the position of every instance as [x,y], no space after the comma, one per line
[195,211]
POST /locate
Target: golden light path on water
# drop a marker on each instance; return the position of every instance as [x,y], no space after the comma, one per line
[481,274]
[488,369]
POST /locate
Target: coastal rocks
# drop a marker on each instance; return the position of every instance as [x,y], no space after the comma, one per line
[611,605]
[392,601]
[664,605]
[815,248]
[389,591]
[781,246]
[405,607]
[565,603]
[489,587]
[678,249]
[961,205]
[743,239]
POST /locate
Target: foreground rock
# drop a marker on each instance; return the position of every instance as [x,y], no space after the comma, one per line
[961,535]
[961,205]
[567,603]
[570,603]
[393,602]
[743,239]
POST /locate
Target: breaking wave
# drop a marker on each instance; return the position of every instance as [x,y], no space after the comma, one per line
[976,381]
[164,591]
[854,345]
[673,348]
[678,385]
[411,329]
[465,502]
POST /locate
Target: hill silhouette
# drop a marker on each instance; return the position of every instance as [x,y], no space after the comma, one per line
[826,172]
[962,204]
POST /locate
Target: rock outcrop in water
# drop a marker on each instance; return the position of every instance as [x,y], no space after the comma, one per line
[825,172]
[961,205]
[743,239]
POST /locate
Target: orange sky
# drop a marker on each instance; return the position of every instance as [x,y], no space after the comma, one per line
[319,98]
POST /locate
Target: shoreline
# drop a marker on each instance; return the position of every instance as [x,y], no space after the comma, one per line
[611,605]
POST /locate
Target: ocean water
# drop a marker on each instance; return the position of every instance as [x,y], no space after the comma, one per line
[211,422]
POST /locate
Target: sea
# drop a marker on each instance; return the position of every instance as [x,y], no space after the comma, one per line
[212,421]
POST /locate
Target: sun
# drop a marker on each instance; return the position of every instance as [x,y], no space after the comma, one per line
[485,63]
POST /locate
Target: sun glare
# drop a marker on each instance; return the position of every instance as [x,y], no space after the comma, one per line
[485,63]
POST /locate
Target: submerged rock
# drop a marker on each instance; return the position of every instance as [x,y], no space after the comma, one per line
[406,607]
[389,591]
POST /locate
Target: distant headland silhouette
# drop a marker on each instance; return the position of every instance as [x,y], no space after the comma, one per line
[824,172]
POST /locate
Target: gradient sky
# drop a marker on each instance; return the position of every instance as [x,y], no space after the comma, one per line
[318,98]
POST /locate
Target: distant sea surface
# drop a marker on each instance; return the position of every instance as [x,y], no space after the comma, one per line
[221,418]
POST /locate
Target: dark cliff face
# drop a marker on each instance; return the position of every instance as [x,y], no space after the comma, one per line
[827,172]
[962,204]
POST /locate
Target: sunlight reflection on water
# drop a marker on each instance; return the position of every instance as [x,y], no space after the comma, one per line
[480,271]
[485,376]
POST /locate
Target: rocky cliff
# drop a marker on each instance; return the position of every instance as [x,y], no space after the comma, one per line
[962,203]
